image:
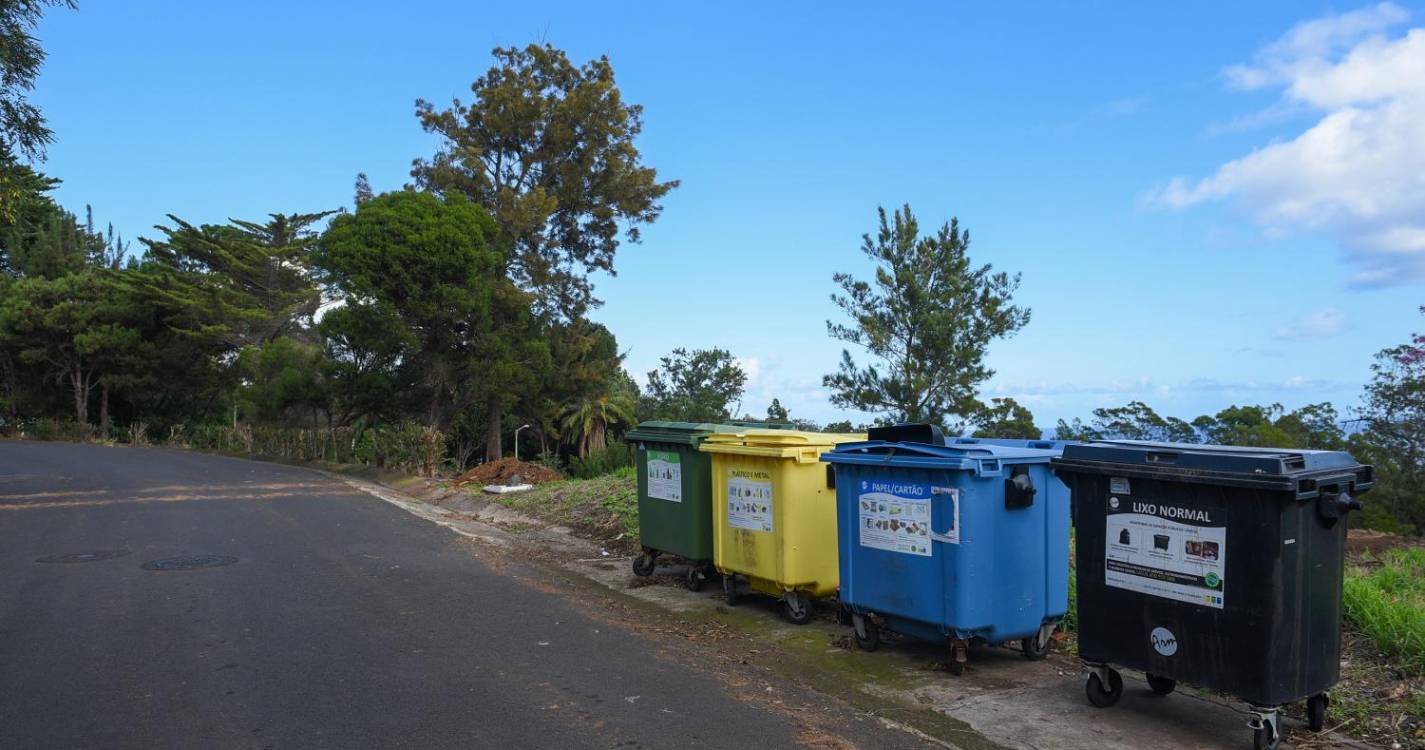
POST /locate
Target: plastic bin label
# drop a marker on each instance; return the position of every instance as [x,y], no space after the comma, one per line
[749,499]
[665,476]
[895,516]
[1151,548]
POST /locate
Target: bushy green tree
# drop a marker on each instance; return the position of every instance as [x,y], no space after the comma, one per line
[1393,438]
[76,328]
[284,380]
[23,132]
[777,413]
[841,426]
[1315,426]
[701,385]
[925,321]
[366,346]
[1005,418]
[547,147]
[257,278]
[423,280]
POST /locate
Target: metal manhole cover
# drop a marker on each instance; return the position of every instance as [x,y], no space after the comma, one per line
[189,562]
[79,557]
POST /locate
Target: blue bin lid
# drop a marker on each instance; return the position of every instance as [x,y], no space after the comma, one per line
[1267,467]
[977,457]
[1048,445]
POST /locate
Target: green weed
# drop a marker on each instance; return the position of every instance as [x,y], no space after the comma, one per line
[1384,599]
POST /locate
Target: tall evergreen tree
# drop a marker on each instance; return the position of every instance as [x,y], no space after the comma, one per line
[23,132]
[547,148]
[926,321]
[256,276]
[417,271]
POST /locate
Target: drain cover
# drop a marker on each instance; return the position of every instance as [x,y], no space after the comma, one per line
[78,557]
[189,562]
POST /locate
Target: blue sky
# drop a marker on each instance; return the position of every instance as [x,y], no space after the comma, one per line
[1210,203]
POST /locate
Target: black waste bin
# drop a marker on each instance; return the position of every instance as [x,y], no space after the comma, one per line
[1214,565]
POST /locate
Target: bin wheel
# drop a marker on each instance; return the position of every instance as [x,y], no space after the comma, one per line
[729,589]
[643,565]
[797,607]
[1265,739]
[868,633]
[956,667]
[695,579]
[1161,685]
[1033,649]
[1100,697]
[1316,707]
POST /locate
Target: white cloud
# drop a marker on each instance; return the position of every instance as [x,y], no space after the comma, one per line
[1318,324]
[1358,173]
[753,367]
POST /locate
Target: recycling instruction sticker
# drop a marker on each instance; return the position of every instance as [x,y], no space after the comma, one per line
[749,499]
[1165,550]
[895,516]
[665,476]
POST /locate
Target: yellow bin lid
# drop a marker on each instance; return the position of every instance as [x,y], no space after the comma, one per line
[805,447]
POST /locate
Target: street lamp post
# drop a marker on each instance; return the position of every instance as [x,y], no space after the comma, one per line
[517,440]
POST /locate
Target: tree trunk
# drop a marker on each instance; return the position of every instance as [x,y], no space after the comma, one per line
[10,387]
[493,427]
[104,411]
[598,440]
[81,395]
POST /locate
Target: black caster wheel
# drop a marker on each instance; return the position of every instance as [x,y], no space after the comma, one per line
[694,579]
[1161,685]
[1033,649]
[1316,707]
[729,589]
[643,564]
[868,633]
[797,607]
[1102,696]
[1265,739]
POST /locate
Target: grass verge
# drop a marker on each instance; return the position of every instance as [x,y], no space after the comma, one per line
[604,509]
[1384,600]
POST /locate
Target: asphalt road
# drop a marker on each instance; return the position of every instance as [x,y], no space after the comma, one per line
[343,623]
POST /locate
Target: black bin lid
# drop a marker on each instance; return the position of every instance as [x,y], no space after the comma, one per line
[1269,468]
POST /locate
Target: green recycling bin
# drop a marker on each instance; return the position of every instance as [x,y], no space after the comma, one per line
[674,495]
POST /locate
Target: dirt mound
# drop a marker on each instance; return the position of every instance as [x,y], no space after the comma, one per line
[506,469]
[1367,541]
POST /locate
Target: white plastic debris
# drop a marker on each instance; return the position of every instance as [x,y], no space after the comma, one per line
[500,489]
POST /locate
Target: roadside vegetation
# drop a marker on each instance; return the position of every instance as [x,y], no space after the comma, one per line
[1384,599]
[603,509]
[1381,695]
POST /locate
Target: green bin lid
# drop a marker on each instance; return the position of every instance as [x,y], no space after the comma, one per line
[679,433]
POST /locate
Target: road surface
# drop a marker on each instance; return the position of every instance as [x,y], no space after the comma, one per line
[329,619]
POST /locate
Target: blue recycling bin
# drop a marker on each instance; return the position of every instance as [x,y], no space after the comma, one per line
[952,542]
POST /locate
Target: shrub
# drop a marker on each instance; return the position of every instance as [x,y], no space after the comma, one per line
[601,462]
[408,446]
[60,430]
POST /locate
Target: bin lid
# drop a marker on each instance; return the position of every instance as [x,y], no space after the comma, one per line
[1281,468]
[1049,445]
[804,446]
[680,433]
[981,458]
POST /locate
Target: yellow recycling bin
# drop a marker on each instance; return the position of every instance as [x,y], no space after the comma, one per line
[774,514]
